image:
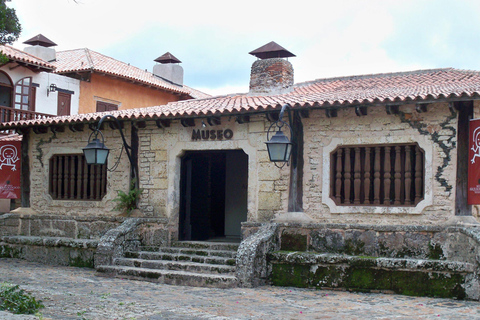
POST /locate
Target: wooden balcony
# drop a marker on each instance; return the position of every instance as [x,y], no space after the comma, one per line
[8,114]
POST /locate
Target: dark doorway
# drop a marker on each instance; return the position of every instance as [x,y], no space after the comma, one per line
[213,199]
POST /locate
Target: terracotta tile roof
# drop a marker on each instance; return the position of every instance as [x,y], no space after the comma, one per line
[11,137]
[25,58]
[389,88]
[79,60]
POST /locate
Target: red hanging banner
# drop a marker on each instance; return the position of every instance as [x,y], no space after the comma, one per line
[474,163]
[10,169]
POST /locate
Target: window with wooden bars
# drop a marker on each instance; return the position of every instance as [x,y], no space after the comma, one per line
[71,178]
[377,175]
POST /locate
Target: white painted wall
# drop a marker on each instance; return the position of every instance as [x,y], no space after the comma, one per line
[44,103]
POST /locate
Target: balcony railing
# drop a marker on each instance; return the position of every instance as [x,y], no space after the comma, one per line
[10,114]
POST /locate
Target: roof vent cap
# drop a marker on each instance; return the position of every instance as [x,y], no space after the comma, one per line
[40,48]
[40,40]
[168,69]
[271,50]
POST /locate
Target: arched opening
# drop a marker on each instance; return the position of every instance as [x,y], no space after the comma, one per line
[6,89]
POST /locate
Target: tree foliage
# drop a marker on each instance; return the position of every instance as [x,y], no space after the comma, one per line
[10,27]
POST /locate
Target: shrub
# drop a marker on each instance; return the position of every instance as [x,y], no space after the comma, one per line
[17,301]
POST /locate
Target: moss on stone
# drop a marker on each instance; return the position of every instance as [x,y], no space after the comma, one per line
[7,251]
[293,242]
[364,279]
[81,262]
[435,251]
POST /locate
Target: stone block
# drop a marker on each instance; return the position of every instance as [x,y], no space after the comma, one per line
[269,201]
[256,127]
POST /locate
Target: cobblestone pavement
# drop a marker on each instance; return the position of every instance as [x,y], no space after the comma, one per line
[77,293]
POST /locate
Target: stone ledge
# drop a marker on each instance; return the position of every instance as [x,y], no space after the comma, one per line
[434,278]
[426,265]
[50,241]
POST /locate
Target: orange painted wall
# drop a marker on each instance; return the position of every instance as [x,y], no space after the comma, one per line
[127,94]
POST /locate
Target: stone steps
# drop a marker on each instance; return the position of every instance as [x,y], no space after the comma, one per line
[174,277]
[191,263]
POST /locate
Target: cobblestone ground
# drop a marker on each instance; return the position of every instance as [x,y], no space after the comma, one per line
[76,293]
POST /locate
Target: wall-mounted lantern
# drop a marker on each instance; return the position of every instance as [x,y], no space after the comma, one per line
[97,153]
[279,146]
[51,88]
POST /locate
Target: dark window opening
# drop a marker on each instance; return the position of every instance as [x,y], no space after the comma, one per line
[105,106]
[380,175]
[71,178]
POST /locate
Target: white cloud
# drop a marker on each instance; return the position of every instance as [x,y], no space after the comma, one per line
[213,37]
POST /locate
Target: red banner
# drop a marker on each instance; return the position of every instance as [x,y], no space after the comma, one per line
[10,169]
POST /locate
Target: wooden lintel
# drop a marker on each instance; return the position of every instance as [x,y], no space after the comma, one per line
[273,116]
[331,113]
[361,111]
[163,123]
[242,119]
[40,129]
[75,127]
[421,107]
[214,121]
[392,109]
[188,122]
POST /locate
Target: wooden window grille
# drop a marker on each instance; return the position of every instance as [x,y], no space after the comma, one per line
[71,178]
[378,175]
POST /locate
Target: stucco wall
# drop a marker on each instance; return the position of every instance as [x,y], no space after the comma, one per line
[126,95]
[44,146]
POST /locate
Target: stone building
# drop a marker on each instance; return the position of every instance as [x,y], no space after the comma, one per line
[373,198]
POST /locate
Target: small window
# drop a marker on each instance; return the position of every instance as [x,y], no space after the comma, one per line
[105,106]
[24,97]
[71,178]
[377,175]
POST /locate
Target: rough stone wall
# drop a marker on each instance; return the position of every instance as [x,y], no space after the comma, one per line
[44,146]
[75,227]
[271,76]
[161,150]
[434,129]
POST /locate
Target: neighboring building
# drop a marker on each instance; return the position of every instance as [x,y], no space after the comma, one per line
[83,81]
[107,84]
[30,89]
[375,190]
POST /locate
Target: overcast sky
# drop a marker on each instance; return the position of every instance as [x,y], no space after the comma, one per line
[212,38]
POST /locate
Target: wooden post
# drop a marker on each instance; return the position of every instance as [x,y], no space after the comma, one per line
[295,197]
[465,114]
[25,178]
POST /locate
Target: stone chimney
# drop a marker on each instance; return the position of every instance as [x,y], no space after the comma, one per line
[168,69]
[271,74]
[40,47]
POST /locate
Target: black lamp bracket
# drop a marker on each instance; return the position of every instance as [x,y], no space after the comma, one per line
[280,123]
[125,144]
